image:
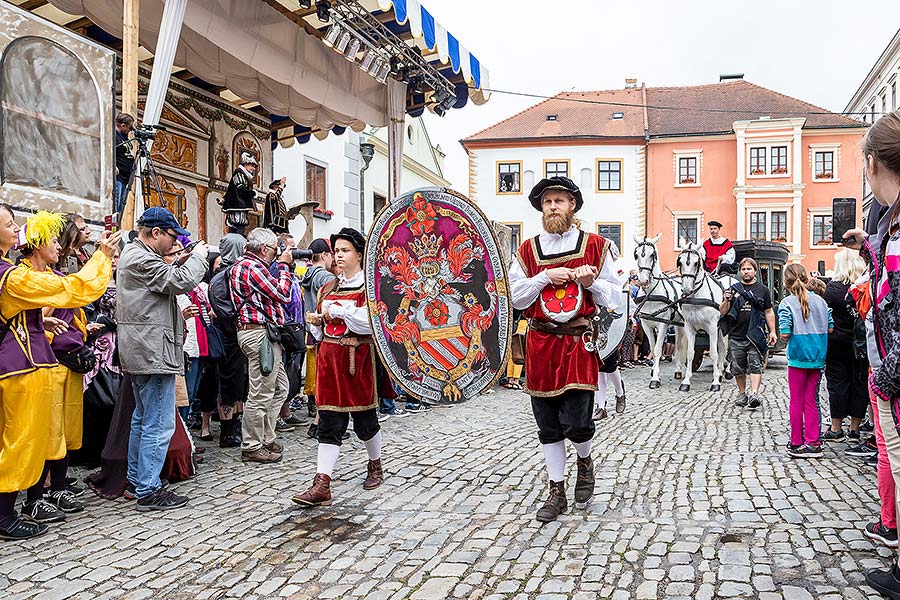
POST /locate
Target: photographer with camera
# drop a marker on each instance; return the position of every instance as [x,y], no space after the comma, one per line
[124,159]
[260,298]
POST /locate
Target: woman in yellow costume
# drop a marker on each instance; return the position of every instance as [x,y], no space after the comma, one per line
[65,328]
[27,360]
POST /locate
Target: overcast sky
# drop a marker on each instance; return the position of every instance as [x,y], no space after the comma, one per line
[815,50]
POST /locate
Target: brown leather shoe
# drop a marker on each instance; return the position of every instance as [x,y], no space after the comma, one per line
[319,493]
[620,404]
[274,447]
[374,475]
[599,415]
[584,482]
[262,455]
[555,505]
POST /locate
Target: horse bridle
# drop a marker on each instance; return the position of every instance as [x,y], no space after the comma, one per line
[699,277]
[656,279]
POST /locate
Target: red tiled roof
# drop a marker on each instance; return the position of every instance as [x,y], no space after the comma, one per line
[577,115]
[743,101]
[671,111]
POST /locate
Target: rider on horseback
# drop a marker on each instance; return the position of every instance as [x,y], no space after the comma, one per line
[718,252]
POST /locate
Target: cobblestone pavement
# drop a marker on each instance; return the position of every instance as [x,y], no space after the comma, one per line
[695,499]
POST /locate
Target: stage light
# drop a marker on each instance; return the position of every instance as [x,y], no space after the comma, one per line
[376,66]
[331,36]
[367,60]
[383,72]
[352,50]
[342,43]
[417,84]
[304,4]
[323,10]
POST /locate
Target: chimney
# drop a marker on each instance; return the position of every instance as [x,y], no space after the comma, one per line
[630,83]
[730,76]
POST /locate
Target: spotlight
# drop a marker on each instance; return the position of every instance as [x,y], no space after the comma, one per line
[352,50]
[376,66]
[383,72]
[441,96]
[439,110]
[395,65]
[417,84]
[323,10]
[331,36]
[304,4]
[342,43]
[450,101]
[367,60]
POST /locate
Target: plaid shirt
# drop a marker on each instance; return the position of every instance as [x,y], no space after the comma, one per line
[258,296]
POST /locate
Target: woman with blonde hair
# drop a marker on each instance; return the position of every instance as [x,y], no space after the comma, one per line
[25,362]
[846,365]
[804,321]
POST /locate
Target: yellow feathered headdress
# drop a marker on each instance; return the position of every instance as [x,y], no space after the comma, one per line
[40,228]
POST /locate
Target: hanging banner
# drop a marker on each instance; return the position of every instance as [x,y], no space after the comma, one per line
[438,296]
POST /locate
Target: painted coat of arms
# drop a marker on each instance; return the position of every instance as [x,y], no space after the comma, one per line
[438,295]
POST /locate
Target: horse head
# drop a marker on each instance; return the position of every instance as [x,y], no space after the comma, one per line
[690,266]
[647,258]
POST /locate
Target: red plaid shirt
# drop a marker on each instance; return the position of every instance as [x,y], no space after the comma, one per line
[258,296]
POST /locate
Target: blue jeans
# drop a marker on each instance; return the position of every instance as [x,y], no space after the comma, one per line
[119,196]
[387,406]
[192,377]
[152,426]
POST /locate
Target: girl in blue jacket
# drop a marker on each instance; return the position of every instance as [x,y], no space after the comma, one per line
[804,321]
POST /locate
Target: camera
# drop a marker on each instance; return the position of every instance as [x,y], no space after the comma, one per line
[296,253]
[147,132]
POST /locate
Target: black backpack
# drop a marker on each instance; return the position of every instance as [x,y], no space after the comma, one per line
[219,293]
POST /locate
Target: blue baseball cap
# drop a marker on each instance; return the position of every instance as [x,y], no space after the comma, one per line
[157,216]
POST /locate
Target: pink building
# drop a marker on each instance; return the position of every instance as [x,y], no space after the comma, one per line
[767,174]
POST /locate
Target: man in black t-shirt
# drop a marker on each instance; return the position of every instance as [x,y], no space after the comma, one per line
[747,307]
[124,159]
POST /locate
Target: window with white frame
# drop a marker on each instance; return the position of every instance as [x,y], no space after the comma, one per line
[778,229]
[609,175]
[687,170]
[508,177]
[893,95]
[556,168]
[821,229]
[757,225]
[779,160]
[687,230]
[758,161]
[825,159]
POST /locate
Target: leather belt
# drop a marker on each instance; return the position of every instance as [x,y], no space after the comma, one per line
[249,326]
[350,341]
[575,327]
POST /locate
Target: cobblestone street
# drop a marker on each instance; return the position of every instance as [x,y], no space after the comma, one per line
[695,498]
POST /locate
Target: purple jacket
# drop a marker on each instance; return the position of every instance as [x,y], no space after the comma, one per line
[24,347]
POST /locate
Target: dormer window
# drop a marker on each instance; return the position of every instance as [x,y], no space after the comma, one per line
[552,117]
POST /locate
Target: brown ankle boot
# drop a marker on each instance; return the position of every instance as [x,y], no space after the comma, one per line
[374,475]
[584,482]
[319,494]
[555,505]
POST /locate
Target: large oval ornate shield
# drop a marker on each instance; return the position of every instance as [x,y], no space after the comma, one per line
[438,295]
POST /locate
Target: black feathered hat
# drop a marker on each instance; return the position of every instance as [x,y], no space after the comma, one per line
[355,238]
[555,183]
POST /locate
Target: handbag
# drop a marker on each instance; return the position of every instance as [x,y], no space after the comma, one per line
[293,337]
[215,343]
[266,351]
[103,391]
[80,361]
[517,348]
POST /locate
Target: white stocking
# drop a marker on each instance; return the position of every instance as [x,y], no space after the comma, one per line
[600,394]
[327,458]
[616,377]
[583,448]
[373,447]
[555,459]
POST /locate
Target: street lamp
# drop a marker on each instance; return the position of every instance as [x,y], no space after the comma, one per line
[366,151]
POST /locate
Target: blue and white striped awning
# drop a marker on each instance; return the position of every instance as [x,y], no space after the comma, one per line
[437,45]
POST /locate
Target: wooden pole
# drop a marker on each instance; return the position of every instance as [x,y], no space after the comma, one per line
[130,28]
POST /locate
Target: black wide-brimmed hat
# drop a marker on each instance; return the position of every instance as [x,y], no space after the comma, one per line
[714,224]
[555,183]
[355,238]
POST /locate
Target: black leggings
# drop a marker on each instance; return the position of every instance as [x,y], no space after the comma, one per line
[57,470]
[564,417]
[333,425]
[845,379]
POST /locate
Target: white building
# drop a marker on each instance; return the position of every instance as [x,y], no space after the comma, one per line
[585,136]
[328,171]
[877,94]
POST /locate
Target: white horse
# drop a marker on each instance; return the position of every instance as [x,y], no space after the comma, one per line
[701,295]
[657,305]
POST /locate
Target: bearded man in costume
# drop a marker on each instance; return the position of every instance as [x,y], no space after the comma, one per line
[560,279]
